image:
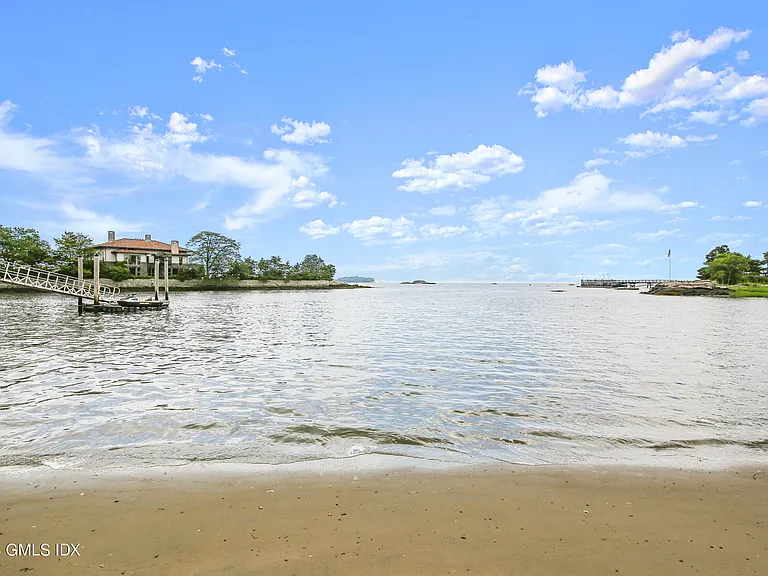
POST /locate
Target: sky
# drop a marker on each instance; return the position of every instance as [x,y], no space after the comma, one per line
[447,141]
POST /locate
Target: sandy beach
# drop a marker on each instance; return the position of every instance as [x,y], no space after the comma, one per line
[511,521]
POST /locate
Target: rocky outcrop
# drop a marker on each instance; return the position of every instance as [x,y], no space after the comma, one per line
[692,288]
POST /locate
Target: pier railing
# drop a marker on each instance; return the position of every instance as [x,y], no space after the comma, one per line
[23,275]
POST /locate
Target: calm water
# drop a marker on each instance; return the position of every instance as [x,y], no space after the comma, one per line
[451,372]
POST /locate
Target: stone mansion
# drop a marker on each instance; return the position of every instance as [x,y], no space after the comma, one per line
[139,255]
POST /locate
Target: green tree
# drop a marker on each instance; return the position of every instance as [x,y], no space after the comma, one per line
[23,245]
[704,271]
[117,272]
[241,269]
[214,252]
[728,268]
[70,246]
[188,272]
[273,269]
[765,264]
[754,265]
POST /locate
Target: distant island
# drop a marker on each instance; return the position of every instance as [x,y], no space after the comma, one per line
[417,282]
[360,279]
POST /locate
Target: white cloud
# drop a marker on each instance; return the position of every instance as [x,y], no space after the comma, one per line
[752,204]
[677,219]
[555,211]
[308,198]
[92,223]
[718,218]
[706,116]
[675,208]
[459,170]
[758,109]
[653,140]
[699,139]
[141,112]
[295,132]
[228,52]
[742,56]
[25,153]
[672,80]
[656,236]
[596,162]
[319,229]
[560,87]
[206,117]
[437,231]
[720,237]
[449,210]
[377,229]
[81,162]
[202,66]
[646,143]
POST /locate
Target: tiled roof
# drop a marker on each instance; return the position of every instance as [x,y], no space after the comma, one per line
[135,251]
[137,244]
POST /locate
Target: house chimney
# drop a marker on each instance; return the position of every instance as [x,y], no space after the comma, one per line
[111,236]
[148,237]
[174,246]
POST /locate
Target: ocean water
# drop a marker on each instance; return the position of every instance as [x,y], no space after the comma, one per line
[450,372]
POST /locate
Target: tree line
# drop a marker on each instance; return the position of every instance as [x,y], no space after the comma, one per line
[217,256]
[726,267]
[214,256]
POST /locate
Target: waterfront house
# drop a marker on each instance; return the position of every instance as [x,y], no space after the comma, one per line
[139,255]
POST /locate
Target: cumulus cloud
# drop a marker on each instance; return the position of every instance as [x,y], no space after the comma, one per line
[705,116]
[558,210]
[206,117]
[673,80]
[148,155]
[459,170]
[202,66]
[448,210]
[596,162]
[742,56]
[656,236]
[676,208]
[319,229]
[295,132]
[753,204]
[644,144]
[377,229]
[228,52]
[437,231]
[308,198]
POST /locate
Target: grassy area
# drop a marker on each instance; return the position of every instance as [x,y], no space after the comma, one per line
[749,291]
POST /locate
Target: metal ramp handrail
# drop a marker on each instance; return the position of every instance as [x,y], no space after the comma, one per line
[23,275]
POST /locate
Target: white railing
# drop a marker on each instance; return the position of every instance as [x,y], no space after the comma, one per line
[23,275]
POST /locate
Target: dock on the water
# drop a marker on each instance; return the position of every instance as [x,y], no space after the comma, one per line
[103,298]
[610,283]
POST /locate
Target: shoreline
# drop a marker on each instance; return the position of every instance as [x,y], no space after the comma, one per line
[370,520]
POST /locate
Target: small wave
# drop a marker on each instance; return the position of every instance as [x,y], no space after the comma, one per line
[378,436]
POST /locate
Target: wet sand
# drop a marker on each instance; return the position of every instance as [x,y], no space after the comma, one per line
[511,521]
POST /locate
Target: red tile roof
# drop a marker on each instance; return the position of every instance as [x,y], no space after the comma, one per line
[137,244]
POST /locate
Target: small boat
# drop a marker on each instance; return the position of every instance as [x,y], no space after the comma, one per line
[134,301]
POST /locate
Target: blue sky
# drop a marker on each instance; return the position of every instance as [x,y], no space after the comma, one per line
[437,140]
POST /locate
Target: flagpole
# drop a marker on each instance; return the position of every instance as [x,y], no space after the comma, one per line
[669,257]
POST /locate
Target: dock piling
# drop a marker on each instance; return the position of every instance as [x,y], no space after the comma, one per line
[166,278]
[80,278]
[157,278]
[96,279]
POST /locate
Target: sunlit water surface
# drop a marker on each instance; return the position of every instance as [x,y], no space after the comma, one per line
[453,372]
